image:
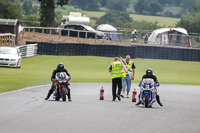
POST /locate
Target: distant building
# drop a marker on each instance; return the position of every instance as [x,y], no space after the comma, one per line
[10,26]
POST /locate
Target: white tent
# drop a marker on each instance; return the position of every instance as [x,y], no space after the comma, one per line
[169,36]
[109,30]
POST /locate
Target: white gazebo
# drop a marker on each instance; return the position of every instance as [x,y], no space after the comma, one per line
[170,36]
[109,30]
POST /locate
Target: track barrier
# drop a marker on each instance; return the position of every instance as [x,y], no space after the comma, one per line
[135,51]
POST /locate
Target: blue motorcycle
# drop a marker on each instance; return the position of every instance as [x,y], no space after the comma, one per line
[148,92]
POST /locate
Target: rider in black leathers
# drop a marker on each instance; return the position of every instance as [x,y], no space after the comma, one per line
[149,74]
[60,68]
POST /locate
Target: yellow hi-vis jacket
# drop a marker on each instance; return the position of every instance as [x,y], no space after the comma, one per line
[129,65]
[117,70]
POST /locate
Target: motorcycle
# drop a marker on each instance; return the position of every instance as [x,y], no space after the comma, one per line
[61,89]
[134,39]
[148,92]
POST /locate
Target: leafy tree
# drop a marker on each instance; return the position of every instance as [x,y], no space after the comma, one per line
[47,8]
[191,21]
[89,5]
[148,7]
[170,2]
[141,6]
[103,3]
[31,20]
[114,17]
[10,10]
[65,10]
[27,7]
[139,25]
[118,5]
[155,7]
[187,5]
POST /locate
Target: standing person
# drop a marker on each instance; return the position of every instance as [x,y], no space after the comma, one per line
[146,36]
[60,68]
[127,80]
[117,72]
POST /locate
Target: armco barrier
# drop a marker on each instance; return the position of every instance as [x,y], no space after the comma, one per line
[28,50]
[136,51]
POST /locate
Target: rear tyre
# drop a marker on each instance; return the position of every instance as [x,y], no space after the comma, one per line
[146,102]
[63,94]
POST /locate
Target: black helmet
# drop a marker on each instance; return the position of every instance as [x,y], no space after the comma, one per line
[149,72]
[60,66]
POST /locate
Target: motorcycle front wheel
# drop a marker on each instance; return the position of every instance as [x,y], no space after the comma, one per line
[146,102]
[63,92]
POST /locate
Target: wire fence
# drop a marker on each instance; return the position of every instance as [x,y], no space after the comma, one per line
[59,35]
[177,40]
[122,36]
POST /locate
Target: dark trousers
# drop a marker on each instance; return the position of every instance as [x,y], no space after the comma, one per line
[116,82]
[52,89]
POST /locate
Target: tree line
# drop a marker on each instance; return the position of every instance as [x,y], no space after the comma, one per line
[116,11]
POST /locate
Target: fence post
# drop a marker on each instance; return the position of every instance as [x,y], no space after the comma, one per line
[78,35]
[95,38]
[34,31]
[14,40]
[9,40]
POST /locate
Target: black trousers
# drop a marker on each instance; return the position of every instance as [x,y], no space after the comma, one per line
[116,82]
[52,89]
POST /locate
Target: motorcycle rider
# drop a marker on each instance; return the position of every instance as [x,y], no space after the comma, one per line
[149,74]
[60,68]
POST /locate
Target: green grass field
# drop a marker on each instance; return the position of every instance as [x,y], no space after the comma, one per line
[38,70]
[162,21]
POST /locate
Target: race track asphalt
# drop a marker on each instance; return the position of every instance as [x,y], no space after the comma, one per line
[26,111]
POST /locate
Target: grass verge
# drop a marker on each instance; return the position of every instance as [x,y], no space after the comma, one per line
[38,70]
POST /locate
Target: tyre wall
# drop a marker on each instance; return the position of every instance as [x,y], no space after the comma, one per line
[136,51]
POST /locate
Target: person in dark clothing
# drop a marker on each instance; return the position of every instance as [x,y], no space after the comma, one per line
[149,74]
[60,68]
[117,72]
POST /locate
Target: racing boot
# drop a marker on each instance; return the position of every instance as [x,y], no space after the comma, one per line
[118,96]
[139,100]
[46,98]
[69,97]
[49,93]
[158,100]
[138,103]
